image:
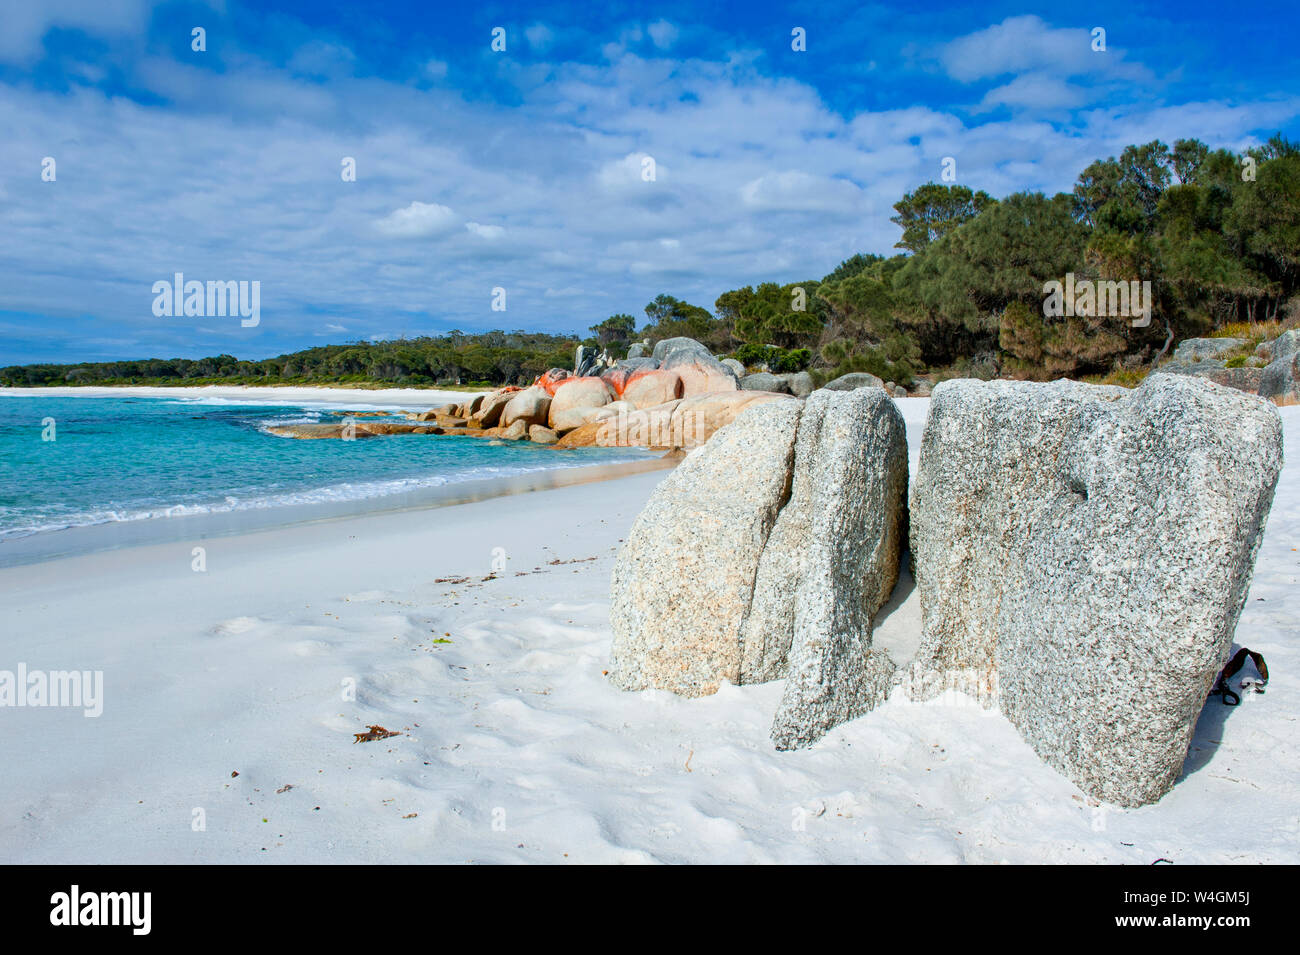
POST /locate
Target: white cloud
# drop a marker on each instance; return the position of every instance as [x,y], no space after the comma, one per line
[663,34]
[627,38]
[25,24]
[416,221]
[1037,91]
[540,37]
[1023,43]
[485,231]
[636,170]
[796,191]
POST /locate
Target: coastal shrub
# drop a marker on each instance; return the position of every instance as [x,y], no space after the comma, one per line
[751,354]
[779,360]
[843,357]
[1020,335]
[796,359]
[783,315]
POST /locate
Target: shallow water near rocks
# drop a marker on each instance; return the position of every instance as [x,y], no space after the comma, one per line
[211,466]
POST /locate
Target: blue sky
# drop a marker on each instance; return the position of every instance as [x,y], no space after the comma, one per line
[523,169]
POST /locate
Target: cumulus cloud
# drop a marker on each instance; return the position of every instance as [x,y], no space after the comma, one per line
[1038,91]
[418,220]
[1023,43]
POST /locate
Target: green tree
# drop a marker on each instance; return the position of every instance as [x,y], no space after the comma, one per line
[615,330]
[934,210]
[670,317]
[1187,158]
[788,316]
[1123,194]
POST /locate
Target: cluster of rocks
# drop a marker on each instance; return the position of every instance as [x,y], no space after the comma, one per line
[674,397]
[800,384]
[1271,370]
[1081,553]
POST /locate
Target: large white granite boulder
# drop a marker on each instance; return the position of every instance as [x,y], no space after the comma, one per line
[770,548]
[1082,554]
[682,581]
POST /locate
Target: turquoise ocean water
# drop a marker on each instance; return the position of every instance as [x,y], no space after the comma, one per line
[123,460]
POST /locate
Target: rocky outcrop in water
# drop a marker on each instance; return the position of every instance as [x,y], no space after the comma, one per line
[349,428]
[675,397]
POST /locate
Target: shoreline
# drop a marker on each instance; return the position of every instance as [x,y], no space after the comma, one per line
[114,536]
[436,488]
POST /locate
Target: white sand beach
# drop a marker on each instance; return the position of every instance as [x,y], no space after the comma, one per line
[226,702]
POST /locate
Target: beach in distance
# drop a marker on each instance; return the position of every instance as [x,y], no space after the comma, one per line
[333,396]
[479,633]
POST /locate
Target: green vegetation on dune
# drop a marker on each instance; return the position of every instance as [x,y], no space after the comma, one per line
[451,360]
[1216,234]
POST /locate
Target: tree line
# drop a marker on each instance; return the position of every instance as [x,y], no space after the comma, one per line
[1216,233]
